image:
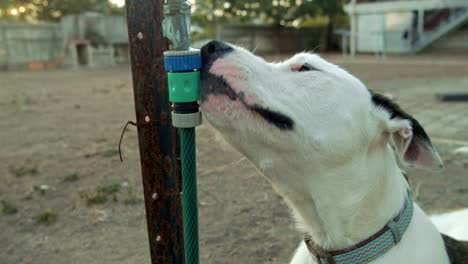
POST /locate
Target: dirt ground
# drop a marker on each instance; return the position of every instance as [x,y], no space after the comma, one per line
[66,198]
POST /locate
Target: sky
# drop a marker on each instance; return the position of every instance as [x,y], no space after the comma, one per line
[119,3]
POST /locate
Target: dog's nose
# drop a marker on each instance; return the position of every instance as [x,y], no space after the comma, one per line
[213,50]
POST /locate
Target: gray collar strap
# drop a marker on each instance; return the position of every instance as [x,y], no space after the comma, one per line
[371,248]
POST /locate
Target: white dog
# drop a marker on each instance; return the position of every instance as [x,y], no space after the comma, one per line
[331,149]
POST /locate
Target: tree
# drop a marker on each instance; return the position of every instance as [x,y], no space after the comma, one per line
[52,10]
[274,12]
[330,9]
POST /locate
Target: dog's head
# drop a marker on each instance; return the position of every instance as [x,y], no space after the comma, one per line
[304,109]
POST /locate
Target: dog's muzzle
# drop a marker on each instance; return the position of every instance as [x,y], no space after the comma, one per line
[214,50]
[212,84]
[217,85]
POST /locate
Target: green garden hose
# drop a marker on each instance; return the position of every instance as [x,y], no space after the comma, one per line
[189,194]
[184,86]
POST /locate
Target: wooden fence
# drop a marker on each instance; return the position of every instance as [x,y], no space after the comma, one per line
[268,39]
[30,45]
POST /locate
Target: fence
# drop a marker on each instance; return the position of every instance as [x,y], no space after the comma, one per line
[107,35]
[26,45]
[267,39]
[95,27]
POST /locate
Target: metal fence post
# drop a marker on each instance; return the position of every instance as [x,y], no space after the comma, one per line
[158,140]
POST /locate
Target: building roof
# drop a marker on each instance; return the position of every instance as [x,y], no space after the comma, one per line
[365,7]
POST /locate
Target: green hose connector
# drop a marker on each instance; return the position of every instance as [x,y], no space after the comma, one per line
[184,87]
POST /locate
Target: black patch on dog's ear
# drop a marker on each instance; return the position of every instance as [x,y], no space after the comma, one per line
[396,112]
[418,151]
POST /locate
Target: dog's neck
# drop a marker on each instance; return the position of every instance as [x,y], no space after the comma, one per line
[341,206]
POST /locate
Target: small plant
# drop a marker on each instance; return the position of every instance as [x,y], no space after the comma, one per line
[109,153]
[132,200]
[97,198]
[47,217]
[8,208]
[71,176]
[42,189]
[104,193]
[23,171]
[110,188]
[28,196]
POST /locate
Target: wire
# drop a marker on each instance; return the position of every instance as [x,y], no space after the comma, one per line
[121,137]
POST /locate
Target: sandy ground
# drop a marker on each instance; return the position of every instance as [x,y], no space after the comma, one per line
[66,198]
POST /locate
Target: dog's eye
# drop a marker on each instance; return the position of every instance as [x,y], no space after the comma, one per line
[306,67]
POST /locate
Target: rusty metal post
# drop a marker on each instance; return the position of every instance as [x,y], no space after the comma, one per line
[158,140]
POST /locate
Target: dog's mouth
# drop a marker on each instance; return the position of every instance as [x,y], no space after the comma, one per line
[217,85]
[275,118]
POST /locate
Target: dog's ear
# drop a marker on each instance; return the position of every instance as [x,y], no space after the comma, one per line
[412,147]
[408,138]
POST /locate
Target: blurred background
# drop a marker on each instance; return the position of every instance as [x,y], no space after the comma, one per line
[66,92]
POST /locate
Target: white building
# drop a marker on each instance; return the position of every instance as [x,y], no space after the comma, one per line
[404,26]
